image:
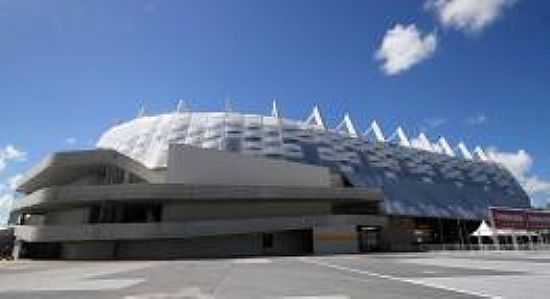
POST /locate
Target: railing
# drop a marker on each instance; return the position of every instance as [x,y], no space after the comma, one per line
[483,247]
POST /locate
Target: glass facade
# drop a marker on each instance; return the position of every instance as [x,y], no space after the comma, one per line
[415,182]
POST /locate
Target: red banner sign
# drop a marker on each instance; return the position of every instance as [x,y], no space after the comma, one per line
[538,220]
[520,218]
[508,218]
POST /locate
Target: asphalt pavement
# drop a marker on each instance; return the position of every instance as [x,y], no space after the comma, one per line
[415,275]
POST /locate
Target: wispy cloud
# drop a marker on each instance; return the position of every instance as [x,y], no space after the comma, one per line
[14,180]
[10,153]
[432,123]
[7,196]
[468,15]
[477,120]
[435,122]
[71,140]
[403,47]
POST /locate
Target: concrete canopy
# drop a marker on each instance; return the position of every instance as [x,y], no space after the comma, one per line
[63,167]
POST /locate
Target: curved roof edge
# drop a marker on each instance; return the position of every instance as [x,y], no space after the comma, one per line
[62,166]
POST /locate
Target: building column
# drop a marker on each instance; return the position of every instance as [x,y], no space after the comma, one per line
[17,249]
[515,241]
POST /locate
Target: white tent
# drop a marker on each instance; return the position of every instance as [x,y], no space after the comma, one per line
[483,230]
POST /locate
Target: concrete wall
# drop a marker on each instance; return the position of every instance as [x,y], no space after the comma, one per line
[88,250]
[87,180]
[35,219]
[231,210]
[191,165]
[284,243]
[67,217]
[219,246]
[291,242]
[188,229]
[335,239]
[398,235]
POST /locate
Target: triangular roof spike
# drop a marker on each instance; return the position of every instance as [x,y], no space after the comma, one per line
[376,130]
[464,151]
[275,109]
[400,134]
[228,105]
[389,139]
[316,119]
[141,111]
[403,139]
[422,142]
[182,106]
[437,148]
[446,147]
[480,153]
[347,126]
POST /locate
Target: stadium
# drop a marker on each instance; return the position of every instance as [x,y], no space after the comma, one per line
[218,184]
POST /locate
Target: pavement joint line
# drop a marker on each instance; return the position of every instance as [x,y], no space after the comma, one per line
[400,279]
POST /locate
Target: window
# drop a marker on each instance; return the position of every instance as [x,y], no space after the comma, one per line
[125,213]
[111,175]
[267,240]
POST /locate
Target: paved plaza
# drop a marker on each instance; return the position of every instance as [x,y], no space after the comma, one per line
[415,275]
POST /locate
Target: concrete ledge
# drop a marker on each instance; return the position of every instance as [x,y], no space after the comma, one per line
[73,196]
[60,167]
[166,230]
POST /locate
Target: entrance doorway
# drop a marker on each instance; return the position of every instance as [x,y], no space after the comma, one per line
[369,238]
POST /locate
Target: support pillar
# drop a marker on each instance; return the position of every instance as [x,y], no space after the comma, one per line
[17,251]
[515,241]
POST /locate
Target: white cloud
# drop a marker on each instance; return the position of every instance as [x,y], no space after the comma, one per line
[534,185]
[520,164]
[10,153]
[477,120]
[6,200]
[71,140]
[434,122]
[6,203]
[14,180]
[468,15]
[403,47]
[7,196]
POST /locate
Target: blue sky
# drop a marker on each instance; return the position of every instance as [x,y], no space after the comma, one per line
[472,70]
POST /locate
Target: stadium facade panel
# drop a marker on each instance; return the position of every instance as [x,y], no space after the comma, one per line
[415,182]
[188,184]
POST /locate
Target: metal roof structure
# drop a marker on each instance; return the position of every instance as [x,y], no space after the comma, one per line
[419,178]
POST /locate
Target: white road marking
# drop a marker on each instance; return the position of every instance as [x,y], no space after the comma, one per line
[522,286]
[252,261]
[190,293]
[478,264]
[394,278]
[318,297]
[429,272]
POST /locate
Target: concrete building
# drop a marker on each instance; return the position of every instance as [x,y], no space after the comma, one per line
[189,184]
